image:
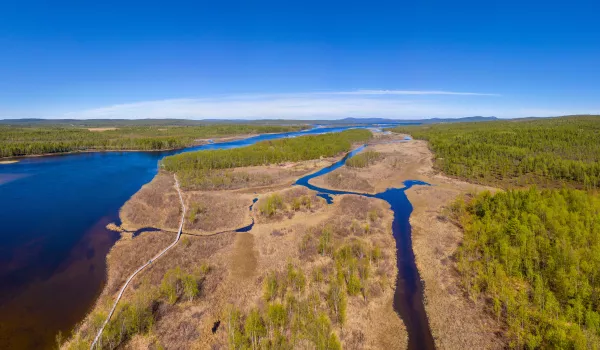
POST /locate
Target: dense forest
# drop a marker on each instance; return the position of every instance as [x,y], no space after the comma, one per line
[194,164]
[547,152]
[535,254]
[21,141]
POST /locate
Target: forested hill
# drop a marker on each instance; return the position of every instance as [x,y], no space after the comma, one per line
[547,152]
[21,141]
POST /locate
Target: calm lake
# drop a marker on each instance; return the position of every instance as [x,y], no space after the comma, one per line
[53,213]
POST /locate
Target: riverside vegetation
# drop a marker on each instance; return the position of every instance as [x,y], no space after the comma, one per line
[532,254]
[21,141]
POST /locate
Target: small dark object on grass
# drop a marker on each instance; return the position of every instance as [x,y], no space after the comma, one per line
[277,233]
[216,326]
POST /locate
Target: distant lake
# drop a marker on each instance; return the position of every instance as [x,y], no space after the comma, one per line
[53,213]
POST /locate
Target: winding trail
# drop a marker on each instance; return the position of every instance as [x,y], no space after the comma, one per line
[143,267]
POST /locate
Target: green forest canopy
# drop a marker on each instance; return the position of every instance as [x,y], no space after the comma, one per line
[20,141]
[536,257]
[547,152]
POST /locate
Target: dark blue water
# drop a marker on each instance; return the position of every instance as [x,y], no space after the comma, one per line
[251,225]
[53,213]
[408,296]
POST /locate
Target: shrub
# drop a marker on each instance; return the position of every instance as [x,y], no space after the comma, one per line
[363,159]
[176,284]
[271,204]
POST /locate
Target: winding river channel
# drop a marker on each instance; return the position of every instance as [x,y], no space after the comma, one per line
[53,213]
[408,296]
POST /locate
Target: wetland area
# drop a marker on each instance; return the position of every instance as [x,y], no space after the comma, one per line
[305,218]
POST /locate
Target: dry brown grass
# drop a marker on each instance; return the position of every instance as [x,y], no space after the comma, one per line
[295,200]
[210,212]
[344,178]
[399,161]
[240,262]
[156,204]
[370,325]
[175,326]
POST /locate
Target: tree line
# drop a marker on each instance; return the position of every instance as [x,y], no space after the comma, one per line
[547,152]
[22,141]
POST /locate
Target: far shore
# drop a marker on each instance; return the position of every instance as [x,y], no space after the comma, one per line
[198,142]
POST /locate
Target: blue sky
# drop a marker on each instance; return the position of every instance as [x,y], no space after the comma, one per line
[302,59]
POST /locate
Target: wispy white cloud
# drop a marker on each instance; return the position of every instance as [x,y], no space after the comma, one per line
[311,105]
[413,92]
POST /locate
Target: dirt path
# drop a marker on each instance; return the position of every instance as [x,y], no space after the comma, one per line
[143,267]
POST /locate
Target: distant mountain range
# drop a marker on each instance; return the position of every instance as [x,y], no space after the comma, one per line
[411,121]
[192,122]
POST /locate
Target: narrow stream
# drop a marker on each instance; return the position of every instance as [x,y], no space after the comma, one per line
[408,296]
